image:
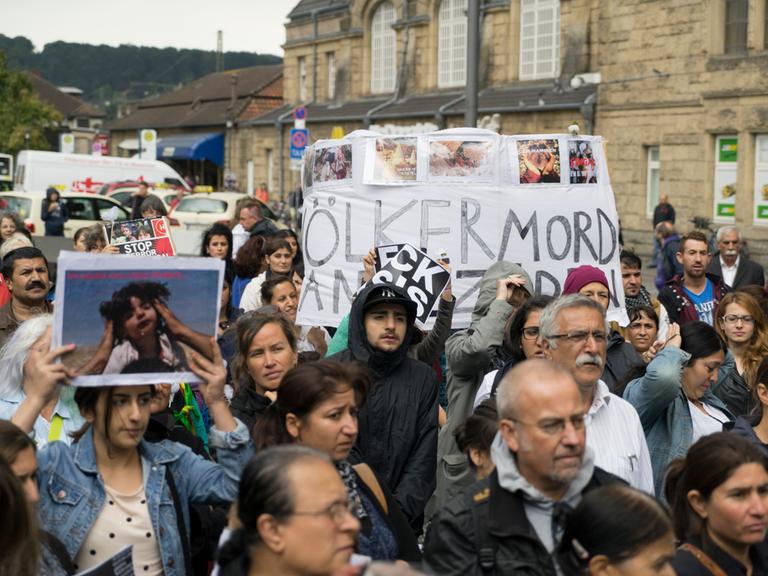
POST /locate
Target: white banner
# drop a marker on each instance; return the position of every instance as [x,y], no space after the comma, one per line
[542,201]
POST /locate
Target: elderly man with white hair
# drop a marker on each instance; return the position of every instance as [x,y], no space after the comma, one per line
[734,268]
[573,332]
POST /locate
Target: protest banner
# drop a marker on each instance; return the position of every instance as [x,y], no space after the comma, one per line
[422,278]
[509,198]
[144,237]
[135,320]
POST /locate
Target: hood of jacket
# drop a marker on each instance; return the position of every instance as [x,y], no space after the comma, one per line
[487,292]
[381,363]
[50,192]
[510,478]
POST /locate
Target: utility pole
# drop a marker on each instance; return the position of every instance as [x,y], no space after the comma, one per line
[473,63]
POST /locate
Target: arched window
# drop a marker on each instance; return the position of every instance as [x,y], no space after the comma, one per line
[539,39]
[452,43]
[383,46]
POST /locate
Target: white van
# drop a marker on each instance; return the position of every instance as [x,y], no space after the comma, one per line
[37,170]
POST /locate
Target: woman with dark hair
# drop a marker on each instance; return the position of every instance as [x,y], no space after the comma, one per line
[112,488]
[521,341]
[139,324]
[217,243]
[266,351]
[19,546]
[719,499]
[475,436]
[642,330]
[278,262]
[293,241]
[153,207]
[79,239]
[247,265]
[598,541]
[280,291]
[317,407]
[741,323]
[293,517]
[674,397]
[754,426]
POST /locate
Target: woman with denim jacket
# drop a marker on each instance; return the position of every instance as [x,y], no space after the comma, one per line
[111,488]
[674,397]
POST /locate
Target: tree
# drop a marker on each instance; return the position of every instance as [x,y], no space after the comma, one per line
[23,116]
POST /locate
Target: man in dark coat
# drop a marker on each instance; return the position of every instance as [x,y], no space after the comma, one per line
[731,265]
[398,422]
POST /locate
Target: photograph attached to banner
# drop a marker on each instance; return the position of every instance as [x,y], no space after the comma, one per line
[145,237]
[392,160]
[332,163]
[306,169]
[464,160]
[539,161]
[582,163]
[135,321]
[423,278]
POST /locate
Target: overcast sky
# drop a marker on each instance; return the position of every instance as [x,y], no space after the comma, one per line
[248,25]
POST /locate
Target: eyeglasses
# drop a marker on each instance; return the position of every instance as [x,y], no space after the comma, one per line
[338,511]
[580,336]
[734,319]
[531,333]
[555,427]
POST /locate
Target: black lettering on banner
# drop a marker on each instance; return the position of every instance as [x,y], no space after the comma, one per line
[340,281]
[310,285]
[426,231]
[379,236]
[603,217]
[531,227]
[580,233]
[319,262]
[466,229]
[613,292]
[542,275]
[348,256]
[567,229]
[461,298]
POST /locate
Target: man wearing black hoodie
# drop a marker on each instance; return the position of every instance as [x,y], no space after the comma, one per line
[398,422]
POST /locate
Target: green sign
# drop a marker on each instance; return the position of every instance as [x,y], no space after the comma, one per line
[728,149]
[726,210]
[762,212]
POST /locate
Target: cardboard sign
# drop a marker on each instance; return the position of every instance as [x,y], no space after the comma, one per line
[145,237]
[422,278]
[121,564]
[385,253]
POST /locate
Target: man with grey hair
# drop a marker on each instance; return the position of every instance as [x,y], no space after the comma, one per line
[573,333]
[514,518]
[734,268]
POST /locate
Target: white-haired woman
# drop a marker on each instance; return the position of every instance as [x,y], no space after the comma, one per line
[60,415]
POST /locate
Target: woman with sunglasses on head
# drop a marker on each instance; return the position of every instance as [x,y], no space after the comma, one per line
[674,397]
[741,323]
[719,499]
[317,407]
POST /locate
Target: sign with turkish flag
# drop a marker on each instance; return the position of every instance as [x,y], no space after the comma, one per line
[144,237]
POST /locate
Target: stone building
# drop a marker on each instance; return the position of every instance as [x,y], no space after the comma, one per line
[677,87]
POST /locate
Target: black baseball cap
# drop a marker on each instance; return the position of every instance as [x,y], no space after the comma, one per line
[386,295]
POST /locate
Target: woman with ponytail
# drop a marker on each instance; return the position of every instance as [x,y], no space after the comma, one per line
[317,407]
[719,499]
[293,517]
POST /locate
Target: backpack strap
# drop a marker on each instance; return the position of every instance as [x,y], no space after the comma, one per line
[486,544]
[182,528]
[703,559]
[369,479]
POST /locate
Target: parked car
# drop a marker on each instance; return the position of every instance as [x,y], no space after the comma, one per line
[200,211]
[84,210]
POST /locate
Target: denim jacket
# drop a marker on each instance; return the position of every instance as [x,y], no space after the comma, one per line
[72,490]
[662,406]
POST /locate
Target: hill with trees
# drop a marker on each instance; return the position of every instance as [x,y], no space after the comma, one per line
[110,76]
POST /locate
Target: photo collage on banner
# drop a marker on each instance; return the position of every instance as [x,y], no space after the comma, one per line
[332,164]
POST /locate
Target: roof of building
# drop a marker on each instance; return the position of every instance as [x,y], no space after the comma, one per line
[518,98]
[306,7]
[208,101]
[68,105]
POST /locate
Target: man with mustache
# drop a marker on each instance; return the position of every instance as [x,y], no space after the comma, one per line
[512,521]
[734,268]
[574,334]
[25,271]
[695,295]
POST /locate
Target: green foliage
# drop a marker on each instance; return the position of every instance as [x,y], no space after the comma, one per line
[23,117]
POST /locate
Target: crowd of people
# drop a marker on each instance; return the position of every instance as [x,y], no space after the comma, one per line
[543,439]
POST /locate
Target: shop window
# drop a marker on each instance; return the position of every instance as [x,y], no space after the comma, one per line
[736,20]
[452,43]
[383,46]
[652,178]
[539,39]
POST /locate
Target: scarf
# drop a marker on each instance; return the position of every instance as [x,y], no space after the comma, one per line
[643,298]
[347,474]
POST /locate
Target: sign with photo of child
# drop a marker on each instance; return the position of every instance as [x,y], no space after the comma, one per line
[144,237]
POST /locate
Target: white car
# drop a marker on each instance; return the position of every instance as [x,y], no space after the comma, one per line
[198,212]
[84,210]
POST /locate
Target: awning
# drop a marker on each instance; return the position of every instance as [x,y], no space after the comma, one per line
[208,146]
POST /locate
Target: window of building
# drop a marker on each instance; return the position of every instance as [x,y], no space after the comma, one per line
[383,46]
[539,39]
[303,79]
[452,43]
[736,20]
[331,75]
[652,179]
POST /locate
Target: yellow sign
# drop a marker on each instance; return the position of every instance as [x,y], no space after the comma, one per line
[337,133]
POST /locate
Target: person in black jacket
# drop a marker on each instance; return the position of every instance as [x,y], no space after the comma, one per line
[54,213]
[512,521]
[398,424]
